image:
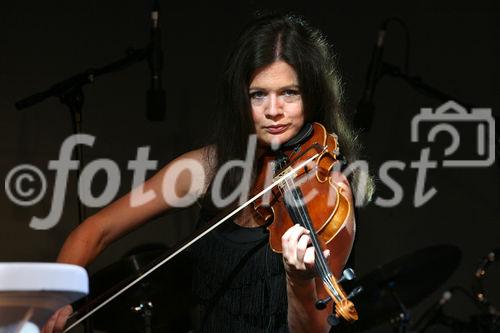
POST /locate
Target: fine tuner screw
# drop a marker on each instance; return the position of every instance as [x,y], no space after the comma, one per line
[347,275]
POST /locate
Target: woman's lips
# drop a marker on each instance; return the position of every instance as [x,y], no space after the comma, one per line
[278,129]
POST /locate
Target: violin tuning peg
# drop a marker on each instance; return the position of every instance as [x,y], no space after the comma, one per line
[355,292]
[347,275]
[321,303]
[333,320]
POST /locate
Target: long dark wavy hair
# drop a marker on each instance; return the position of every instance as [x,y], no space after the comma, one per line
[267,39]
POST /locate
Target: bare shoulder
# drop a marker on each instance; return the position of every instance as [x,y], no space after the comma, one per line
[193,169]
[205,155]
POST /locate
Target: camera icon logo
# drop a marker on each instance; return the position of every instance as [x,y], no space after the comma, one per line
[446,117]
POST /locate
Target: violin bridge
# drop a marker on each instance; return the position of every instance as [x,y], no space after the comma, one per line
[282,184]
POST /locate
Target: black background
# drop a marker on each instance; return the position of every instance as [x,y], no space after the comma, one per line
[454,47]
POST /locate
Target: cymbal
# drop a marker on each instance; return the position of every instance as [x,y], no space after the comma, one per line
[411,278]
[168,289]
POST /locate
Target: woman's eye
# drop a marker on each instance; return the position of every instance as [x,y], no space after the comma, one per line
[291,92]
[257,94]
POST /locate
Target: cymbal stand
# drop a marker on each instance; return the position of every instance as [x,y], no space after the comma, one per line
[145,310]
[402,319]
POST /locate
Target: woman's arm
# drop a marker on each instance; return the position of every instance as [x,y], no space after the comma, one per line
[298,259]
[91,237]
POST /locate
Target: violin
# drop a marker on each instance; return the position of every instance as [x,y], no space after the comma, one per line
[310,198]
[301,191]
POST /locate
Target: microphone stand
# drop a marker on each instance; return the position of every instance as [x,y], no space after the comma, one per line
[70,93]
[418,84]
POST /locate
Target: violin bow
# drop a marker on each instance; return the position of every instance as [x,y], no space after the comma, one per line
[188,243]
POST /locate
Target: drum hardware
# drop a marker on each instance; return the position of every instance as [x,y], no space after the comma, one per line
[145,310]
[478,289]
[391,290]
[399,322]
[159,303]
[490,317]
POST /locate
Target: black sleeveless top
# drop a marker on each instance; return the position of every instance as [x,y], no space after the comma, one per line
[238,281]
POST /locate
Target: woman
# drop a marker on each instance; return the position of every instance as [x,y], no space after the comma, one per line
[279,77]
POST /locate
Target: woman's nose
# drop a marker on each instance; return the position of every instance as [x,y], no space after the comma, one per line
[274,107]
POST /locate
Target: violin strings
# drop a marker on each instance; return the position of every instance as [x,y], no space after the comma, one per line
[299,213]
[326,273]
[319,254]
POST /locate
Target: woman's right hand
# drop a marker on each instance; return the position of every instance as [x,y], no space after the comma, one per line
[57,322]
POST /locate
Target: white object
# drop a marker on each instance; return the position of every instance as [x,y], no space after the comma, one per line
[31,292]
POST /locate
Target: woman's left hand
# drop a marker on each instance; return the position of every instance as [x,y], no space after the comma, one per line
[298,254]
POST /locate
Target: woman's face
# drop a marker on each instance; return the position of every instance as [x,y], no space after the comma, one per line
[276,103]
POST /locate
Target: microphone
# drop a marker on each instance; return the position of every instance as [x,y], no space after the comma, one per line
[155,100]
[433,312]
[364,115]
